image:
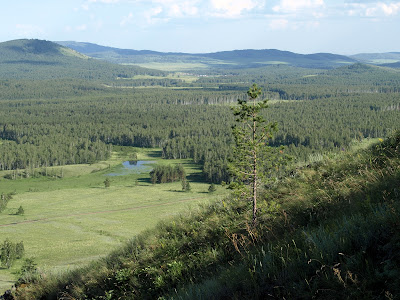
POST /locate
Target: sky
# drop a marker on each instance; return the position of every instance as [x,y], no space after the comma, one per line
[203,26]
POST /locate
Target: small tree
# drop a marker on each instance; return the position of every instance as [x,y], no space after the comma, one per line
[29,272]
[20,211]
[252,157]
[212,188]
[107,183]
[19,250]
[185,185]
[8,253]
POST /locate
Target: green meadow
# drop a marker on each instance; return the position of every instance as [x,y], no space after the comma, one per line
[173,67]
[70,221]
[178,75]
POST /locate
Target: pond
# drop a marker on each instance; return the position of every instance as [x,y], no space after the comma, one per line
[132,167]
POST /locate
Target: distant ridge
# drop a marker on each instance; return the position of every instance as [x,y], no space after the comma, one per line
[378,58]
[248,58]
[40,59]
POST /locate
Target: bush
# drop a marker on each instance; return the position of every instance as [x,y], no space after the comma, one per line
[20,211]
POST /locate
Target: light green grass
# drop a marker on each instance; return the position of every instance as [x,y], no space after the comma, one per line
[364,143]
[174,66]
[178,75]
[71,221]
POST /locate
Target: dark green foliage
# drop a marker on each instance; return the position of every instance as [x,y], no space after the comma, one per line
[56,122]
[212,188]
[29,272]
[168,173]
[10,251]
[20,211]
[107,183]
[186,185]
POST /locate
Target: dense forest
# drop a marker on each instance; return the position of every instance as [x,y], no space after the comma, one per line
[74,118]
[81,126]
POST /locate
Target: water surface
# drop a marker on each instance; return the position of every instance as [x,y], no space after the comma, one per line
[132,167]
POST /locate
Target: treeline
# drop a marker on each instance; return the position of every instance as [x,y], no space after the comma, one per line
[168,173]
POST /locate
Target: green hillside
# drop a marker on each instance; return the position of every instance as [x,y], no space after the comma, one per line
[328,231]
[39,59]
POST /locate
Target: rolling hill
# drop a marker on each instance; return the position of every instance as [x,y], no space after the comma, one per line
[39,59]
[378,58]
[225,59]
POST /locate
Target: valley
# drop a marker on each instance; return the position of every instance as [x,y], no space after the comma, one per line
[70,221]
[69,120]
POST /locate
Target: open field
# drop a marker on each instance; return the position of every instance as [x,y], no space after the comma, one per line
[174,67]
[71,221]
[178,75]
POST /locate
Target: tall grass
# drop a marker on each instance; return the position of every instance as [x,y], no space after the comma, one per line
[330,231]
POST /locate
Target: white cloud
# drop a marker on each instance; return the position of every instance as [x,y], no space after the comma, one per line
[233,8]
[296,5]
[389,9]
[376,9]
[152,15]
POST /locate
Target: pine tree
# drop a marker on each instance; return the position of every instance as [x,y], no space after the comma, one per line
[252,156]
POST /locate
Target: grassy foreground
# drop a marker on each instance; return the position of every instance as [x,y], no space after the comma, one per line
[70,221]
[328,231]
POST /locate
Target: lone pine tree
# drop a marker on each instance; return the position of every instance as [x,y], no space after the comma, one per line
[252,158]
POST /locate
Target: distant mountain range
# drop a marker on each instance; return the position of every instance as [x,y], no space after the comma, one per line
[231,59]
[39,59]
[226,59]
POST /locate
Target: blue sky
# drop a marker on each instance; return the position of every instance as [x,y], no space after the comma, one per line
[198,26]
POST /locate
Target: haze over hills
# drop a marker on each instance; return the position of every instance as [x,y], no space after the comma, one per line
[378,58]
[225,59]
[39,59]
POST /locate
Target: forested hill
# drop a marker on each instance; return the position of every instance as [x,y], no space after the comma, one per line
[39,59]
[226,59]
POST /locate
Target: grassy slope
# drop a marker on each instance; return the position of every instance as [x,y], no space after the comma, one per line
[329,232]
[69,222]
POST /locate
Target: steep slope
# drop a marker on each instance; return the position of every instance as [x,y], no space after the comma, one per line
[225,59]
[328,231]
[38,59]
